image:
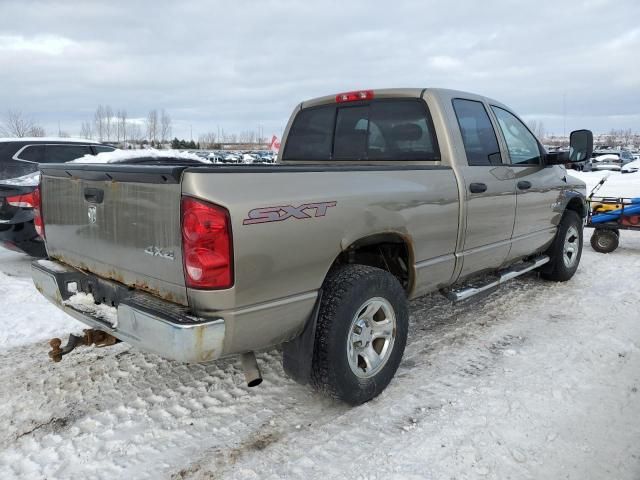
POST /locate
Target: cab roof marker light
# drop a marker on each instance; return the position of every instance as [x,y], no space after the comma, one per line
[354,96]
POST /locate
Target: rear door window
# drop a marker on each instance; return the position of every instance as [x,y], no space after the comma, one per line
[65,153]
[478,136]
[32,153]
[384,130]
[401,130]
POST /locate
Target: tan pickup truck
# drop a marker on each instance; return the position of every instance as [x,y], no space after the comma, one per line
[378,196]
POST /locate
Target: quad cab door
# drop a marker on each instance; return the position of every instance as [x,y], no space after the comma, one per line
[489,191]
[538,187]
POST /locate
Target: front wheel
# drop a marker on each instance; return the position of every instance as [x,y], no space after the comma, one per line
[566,249]
[361,333]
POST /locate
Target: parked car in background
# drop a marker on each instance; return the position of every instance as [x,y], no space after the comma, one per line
[631,167]
[610,159]
[19,160]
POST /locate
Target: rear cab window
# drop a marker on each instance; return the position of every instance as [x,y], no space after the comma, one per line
[374,130]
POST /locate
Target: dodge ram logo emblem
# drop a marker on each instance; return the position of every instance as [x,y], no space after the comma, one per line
[91,212]
[278,214]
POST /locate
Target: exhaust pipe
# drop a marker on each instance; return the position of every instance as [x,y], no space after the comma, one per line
[251,369]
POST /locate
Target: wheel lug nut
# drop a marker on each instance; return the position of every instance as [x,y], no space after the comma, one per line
[357,344]
[357,329]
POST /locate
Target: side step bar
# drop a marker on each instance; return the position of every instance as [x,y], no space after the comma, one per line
[503,276]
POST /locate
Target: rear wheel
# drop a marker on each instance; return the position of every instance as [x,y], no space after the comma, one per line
[566,249]
[361,333]
[604,240]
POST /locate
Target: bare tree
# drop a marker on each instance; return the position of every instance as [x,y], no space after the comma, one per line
[208,140]
[122,125]
[135,132]
[85,130]
[152,125]
[165,126]
[247,136]
[16,124]
[99,122]
[37,131]
[108,123]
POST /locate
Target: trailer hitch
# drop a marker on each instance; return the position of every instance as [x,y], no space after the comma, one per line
[90,337]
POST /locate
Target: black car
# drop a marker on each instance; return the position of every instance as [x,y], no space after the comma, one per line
[19,158]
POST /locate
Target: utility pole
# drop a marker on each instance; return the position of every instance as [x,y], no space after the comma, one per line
[564,114]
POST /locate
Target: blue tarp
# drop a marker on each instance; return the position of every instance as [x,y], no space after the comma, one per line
[613,215]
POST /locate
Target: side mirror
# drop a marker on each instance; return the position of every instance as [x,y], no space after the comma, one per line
[581,145]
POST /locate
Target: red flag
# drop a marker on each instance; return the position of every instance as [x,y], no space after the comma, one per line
[275,144]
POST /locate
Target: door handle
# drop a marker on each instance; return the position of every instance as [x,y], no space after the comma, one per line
[524,185]
[478,187]
[93,195]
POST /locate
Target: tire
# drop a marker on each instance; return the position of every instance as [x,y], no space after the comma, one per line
[566,250]
[604,240]
[357,301]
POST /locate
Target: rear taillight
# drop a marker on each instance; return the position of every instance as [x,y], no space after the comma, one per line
[38,222]
[28,200]
[207,248]
[354,96]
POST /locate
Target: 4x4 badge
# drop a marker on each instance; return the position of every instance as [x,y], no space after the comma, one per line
[91,212]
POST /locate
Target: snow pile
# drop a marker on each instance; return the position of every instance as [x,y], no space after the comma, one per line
[26,317]
[617,184]
[28,180]
[119,156]
[85,303]
[608,157]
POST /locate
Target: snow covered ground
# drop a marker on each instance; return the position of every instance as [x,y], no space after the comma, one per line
[617,184]
[535,381]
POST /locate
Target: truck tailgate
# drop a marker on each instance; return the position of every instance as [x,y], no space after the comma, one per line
[120,222]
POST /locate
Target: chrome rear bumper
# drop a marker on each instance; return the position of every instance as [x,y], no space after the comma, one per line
[147,322]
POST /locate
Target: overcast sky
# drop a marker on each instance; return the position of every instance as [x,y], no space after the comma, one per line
[238,65]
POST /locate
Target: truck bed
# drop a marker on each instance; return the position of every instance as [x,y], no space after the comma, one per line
[279,265]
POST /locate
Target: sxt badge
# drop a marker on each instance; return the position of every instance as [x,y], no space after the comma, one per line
[278,214]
